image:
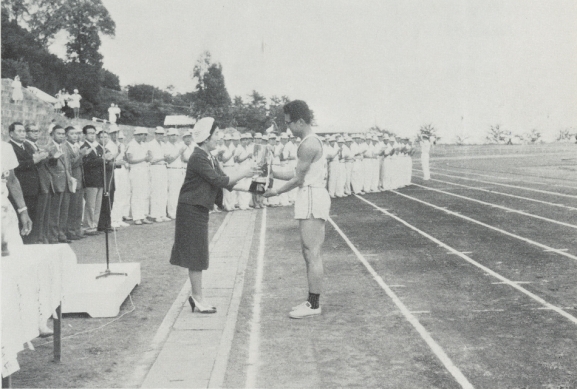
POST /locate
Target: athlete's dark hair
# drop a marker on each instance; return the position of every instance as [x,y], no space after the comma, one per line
[69,128]
[298,109]
[87,127]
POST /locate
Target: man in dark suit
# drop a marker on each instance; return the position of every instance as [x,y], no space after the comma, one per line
[26,172]
[93,165]
[62,181]
[74,154]
[40,226]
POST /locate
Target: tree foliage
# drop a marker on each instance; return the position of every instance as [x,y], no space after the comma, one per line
[212,98]
[496,134]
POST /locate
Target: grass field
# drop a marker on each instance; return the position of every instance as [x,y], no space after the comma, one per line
[466,280]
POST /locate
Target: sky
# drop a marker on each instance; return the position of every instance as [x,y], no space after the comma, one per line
[460,65]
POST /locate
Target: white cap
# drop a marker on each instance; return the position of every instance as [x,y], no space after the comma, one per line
[272,135]
[120,135]
[173,131]
[332,138]
[140,131]
[284,135]
[340,140]
[187,133]
[258,135]
[159,130]
[236,136]
[226,137]
[201,130]
[265,137]
[113,128]
[348,139]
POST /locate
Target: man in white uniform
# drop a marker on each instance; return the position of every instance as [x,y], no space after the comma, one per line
[243,158]
[173,156]
[357,175]
[121,206]
[158,177]
[349,162]
[138,156]
[425,154]
[229,200]
[274,153]
[312,203]
[341,170]
[331,151]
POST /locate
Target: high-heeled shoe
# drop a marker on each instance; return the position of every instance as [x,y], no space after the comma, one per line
[202,309]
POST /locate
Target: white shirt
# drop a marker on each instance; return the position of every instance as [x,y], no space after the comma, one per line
[137,151]
[157,152]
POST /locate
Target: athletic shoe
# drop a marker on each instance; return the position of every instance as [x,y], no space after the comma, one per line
[300,305]
[115,225]
[304,310]
[145,221]
[123,224]
[138,222]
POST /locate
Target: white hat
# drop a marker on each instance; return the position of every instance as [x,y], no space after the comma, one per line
[120,135]
[173,131]
[265,137]
[327,137]
[332,138]
[385,137]
[140,131]
[298,138]
[187,133]
[226,137]
[236,136]
[348,139]
[159,130]
[258,135]
[113,128]
[340,140]
[244,135]
[284,135]
[272,136]
[201,130]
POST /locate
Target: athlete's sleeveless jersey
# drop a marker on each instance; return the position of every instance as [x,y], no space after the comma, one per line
[316,177]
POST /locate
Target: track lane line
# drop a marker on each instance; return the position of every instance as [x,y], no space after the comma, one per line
[434,346]
[506,178]
[499,206]
[505,280]
[254,340]
[509,186]
[505,194]
[526,240]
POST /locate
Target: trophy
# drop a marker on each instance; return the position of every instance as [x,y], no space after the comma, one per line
[263,180]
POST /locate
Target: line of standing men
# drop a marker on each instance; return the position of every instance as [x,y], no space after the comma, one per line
[366,163]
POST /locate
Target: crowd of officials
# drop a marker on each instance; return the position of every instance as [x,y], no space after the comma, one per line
[84,181]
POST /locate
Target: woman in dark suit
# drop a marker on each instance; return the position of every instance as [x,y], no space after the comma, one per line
[202,188]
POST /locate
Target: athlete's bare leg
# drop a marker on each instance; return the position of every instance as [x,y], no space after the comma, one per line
[312,237]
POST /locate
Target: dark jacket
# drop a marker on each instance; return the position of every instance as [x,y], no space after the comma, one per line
[59,169]
[43,173]
[75,159]
[93,167]
[203,182]
[26,172]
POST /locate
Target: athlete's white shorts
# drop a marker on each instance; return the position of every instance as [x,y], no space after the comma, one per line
[312,203]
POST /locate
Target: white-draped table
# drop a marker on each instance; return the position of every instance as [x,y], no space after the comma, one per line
[33,278]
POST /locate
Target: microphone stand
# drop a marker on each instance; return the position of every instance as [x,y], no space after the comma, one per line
[106,195]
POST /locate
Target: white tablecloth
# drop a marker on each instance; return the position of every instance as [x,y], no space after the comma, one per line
[32,288]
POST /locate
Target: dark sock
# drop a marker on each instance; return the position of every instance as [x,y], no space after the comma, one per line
[314,300]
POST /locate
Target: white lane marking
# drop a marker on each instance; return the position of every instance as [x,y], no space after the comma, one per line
[556,250]
[516,282]
[545,247]
[506,178]
[506,194]
[500,207]
[462,252]
[510,186]
[437,350]
[488,310]
[254,341]
[482,267]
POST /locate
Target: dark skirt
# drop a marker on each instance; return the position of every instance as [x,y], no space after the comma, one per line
[190,248]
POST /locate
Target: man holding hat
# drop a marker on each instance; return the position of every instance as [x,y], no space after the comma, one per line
[158,177]
[138,156]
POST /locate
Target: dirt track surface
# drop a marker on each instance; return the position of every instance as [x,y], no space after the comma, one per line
[494,334]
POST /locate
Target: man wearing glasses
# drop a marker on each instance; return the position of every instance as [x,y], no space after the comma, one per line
[40,221]
[312,203]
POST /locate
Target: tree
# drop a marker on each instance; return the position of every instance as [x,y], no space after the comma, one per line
[532,136]
[496,134]
[566,134]
[428,130]
[462,140]
[212,98]
[110,80]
